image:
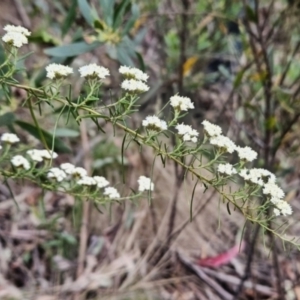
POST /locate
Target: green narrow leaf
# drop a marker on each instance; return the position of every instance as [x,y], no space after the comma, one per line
[251,14]
[119,13]
[86,11]
[59,146]
[7,119]
[135,12]
[228,208]
[65,132]
[70,18]
[98,24]
[71,49]
[238,78]
[122,157]
[123,56]
[192,200]
[107,7]
[141,61]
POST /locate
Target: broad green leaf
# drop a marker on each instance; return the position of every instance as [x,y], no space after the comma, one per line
[251,15]
[141,61]
[72,49]
[107,7]
[86,11]
[135,12]
[65,132]
[59,146]
[70,239]
[70,18]
[225,72]
[123,56]
[119,13]
[98,24]
[42,36]
[111,51]
[238,79]
[7,119]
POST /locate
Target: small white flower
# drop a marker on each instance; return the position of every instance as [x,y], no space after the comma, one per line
[101,181]
[145,184]
[20,162]
[87,180]
[35,155]
[56,71]
[211,130]
[154,123]
[276,212]
[16,35]
[187,133]
[18,29]
[273,190]
[181,103]
[275,200]
[258,176]
[133,73]
[111,192]
[9,138]
[67,168]
[48,154]
[79,172]
[246,153]
[284,208]
[223,142]
[56,174]
[93,71]
[15,39]
[227,169]
[134,86]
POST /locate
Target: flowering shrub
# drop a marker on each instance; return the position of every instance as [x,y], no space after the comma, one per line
[254,194]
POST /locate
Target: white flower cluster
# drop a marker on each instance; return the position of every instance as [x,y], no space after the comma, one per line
[87,181]
[211,130]
[16,35]
[9,138]
[134,80]
[101,181]
[56,174]
[224,143]
[258,176]
[283,208]
[145,184]
[187,133]
[267,181]
[68,171]
[93,71]
[134,86]
[181,103]
[75,172]
[111,192]
[246,153]
[20,161]
[154,123]
[133,73]
[217,139]
[272,190]
[41,155]
[57,71]
[227,169]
